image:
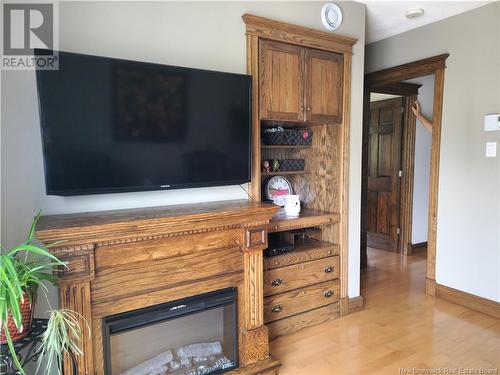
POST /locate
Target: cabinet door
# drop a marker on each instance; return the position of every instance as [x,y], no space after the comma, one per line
[324,86]
[281,71]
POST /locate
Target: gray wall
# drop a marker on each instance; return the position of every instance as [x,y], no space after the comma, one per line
[468,239]
[209,35]
[423,141]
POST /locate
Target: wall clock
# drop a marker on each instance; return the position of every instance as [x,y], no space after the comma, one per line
[331,16]
[277,188]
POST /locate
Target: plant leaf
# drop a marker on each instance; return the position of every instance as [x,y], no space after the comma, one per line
[12,350]
[31,232]
[35,250]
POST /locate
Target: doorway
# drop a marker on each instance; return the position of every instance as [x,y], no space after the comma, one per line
[389,131]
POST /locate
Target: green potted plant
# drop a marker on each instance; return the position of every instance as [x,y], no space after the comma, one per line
[23,272]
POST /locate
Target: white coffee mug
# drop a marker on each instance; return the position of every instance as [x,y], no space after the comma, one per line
[292,205]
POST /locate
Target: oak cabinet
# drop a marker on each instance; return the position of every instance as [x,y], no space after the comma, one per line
[301,79]
[324,86]
[281,79]
[300,84]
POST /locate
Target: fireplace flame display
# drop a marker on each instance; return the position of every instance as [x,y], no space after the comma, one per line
[193,359]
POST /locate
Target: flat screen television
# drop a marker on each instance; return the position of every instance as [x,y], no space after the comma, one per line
[111,125]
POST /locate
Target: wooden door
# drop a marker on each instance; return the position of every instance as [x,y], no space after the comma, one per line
[384,153]
[281,73]
[323,86]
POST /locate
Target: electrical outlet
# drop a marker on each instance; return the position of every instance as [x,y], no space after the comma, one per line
[491,149]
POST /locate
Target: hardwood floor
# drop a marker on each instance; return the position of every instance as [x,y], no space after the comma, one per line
[399,328]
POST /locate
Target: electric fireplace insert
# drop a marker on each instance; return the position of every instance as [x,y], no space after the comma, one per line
[192,336]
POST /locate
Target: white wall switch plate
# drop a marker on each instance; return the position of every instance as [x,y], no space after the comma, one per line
[492,122]
[491,149]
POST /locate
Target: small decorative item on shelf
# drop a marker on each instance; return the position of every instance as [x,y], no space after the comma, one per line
[292,165]
[287,137]
[266,167]
[276,165]
[277,188]
[285,165]
[292,205]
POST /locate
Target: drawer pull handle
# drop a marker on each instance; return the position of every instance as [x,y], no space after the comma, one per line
[329,269]
[277,282]
[277,309]
[329,293]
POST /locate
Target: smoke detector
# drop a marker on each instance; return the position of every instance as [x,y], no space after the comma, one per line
[331,16]
[414,13]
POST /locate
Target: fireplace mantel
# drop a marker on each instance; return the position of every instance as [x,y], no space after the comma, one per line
[124,260]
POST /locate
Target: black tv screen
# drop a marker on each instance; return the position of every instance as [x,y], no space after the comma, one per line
[111,125]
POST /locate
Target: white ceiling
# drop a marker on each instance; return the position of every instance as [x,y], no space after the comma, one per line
[387,18]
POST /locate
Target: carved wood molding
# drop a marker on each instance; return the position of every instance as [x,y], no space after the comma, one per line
[134,225]
[406,71]
[397,88]
[254,289]
[298,35]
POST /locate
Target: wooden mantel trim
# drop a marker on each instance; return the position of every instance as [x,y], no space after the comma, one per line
[134,225]
[298,35]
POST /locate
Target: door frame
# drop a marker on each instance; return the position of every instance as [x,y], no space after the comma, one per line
[393,76]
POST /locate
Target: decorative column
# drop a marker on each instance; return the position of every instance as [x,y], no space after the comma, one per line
[254,341]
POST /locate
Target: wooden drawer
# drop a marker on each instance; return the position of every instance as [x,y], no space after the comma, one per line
[284,279]
[299,321]
[290,303]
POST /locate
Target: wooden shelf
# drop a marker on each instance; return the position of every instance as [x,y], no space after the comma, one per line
[284,173]
[307,218]
[266,147]
[304,251]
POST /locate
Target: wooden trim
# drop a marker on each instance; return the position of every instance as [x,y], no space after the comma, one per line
[344,175]
[479,304]
[404,72]
[407,166]
[356,304]
[141,224]
[253,70]
[434,174]
[298,35]
[364,179]
[397,88]
[430,287]
[434,65]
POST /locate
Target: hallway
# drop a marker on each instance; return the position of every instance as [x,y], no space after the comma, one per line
[400,328]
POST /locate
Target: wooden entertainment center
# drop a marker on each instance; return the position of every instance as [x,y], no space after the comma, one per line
[302,80]
[119,261]
[124,260]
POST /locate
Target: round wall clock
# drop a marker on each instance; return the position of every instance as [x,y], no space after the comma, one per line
[277,188]
[331,16]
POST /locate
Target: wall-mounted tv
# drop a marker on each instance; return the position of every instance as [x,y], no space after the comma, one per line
[111,125]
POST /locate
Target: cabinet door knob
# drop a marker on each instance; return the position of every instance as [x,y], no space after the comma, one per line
[277,309]
[308,109]
[329,269]
[301,109]
[277,282]
[328,293]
